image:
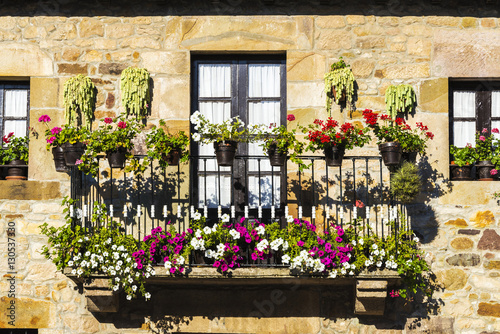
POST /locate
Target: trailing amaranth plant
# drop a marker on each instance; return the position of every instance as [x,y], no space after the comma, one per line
[79,101]
[399,99]
[135,91]
[341,78]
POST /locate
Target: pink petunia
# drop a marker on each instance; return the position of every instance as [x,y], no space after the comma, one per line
[300,243]
[290,117]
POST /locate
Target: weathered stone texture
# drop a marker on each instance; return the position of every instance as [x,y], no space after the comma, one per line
[490,240]
[462,243]
[30,313]
[489,309]
[452,279]
[483,219]
[464,260]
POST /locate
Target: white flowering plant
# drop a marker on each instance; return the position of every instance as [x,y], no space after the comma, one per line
[106,251]
[232,129]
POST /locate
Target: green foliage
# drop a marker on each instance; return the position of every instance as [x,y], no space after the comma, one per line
[72,135]
[463,155]
[14,148]
[406,182]
[400,98]
[135,91]
[484,145]
[340,77]
[79,100]
[160,142]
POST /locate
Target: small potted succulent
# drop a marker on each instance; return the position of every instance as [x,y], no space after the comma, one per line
[113,138]
[225,136]
[168,148]
[334,138]
[339,84]
[462,163]
[278,142]
[15,155]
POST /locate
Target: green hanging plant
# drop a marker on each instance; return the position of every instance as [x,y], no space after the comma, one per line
[135,91]
[79,100]
[340,79]
[406,183]
[399,99]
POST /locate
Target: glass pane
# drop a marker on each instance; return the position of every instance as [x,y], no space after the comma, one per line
[16,102]
[495,104]
[495,124]
[267,196]
[264,80]
[265,112]
[214,80]
[464,133]
[464,104]
[18,127]
[211,188]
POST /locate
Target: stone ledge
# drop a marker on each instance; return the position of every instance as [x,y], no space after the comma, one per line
[30,190]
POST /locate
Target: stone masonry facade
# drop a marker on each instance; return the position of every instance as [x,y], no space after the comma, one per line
[458,220]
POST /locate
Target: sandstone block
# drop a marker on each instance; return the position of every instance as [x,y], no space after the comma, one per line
[465,260]
[91,27]
[376,103]
[32,32]
[63,31]
[330,21]
[172,97]
[371,42]
[483,219]
[72,68]
[484,284]
[110,100]
[305,94]
[493,265]
[119,30]
[452,279]
[434,98]
[362,68]
[469,22]
[408,71]
[458,307]
[417,30]
[30,190]
[92,56]
[105,44]
[305,66]
[488,22]
[446,21]
[44,92]
[369,30]
[30,313]
[462,243]
[419,47]
[355,19]
[24,60]
[388,21]
[112,68]
[332,40]
[490,240]
[457,222]
[141,42]
[489,309]
[469,232]
[166,62]
[430,325]
[71,54]
[40,272]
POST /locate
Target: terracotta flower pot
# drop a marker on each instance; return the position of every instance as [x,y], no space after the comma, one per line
[225,152]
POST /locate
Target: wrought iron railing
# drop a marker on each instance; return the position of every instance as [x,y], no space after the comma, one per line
[326,196]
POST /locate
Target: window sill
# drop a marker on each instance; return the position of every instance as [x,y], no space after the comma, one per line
[29,190]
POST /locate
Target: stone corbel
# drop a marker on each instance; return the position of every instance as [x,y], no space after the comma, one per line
[100,298]
[370,296]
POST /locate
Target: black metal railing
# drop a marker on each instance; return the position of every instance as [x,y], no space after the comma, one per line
[326,196]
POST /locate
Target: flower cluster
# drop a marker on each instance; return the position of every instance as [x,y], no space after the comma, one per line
[390,130]
[322,134]
[232,129]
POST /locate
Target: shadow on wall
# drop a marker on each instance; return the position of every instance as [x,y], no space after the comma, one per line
[194,307]
[245,7]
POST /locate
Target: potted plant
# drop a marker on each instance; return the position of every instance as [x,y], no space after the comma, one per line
[334,139]
[406,183]
[224,136]
[53,139]
[73,140]
[414,141]
[79,99]
[339,84]
[168,148]
[462,163]
[485,154]
[114,138]
[399,99]
[278,142]
[15,155]
[135,91]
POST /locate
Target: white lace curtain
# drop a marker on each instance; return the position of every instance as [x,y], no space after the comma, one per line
[464,106]
[15,104]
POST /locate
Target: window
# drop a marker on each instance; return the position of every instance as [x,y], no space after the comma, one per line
[14,108]
[252,88]
[474,105]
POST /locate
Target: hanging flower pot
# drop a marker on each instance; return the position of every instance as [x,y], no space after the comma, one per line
[73,152]
[276,158]
[172,157]
[341,97]
[461,173]
[484,170]
[15,172]
[59,162]
[117,158]
[391,153]
[225,152]
[334,154]
[409,156]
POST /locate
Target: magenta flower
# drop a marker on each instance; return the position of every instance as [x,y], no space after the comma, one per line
[172,270]
[139,266]
[495,130]
[493,172]
[300,243]
[50,140]
[77,162]
[338,239]
[394,293]
[122,125]
[223,267]
[254,256]
[44,119]
[217,264]
[108,120]
[290,117]
[482,138]
[55,130]
[484,130]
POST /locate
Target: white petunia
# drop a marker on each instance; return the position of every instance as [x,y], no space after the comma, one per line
[196,136]
[260,230]
[225,218]
[147,295]
[129,297]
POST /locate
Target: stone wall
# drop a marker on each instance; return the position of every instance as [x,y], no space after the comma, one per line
[458,220]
